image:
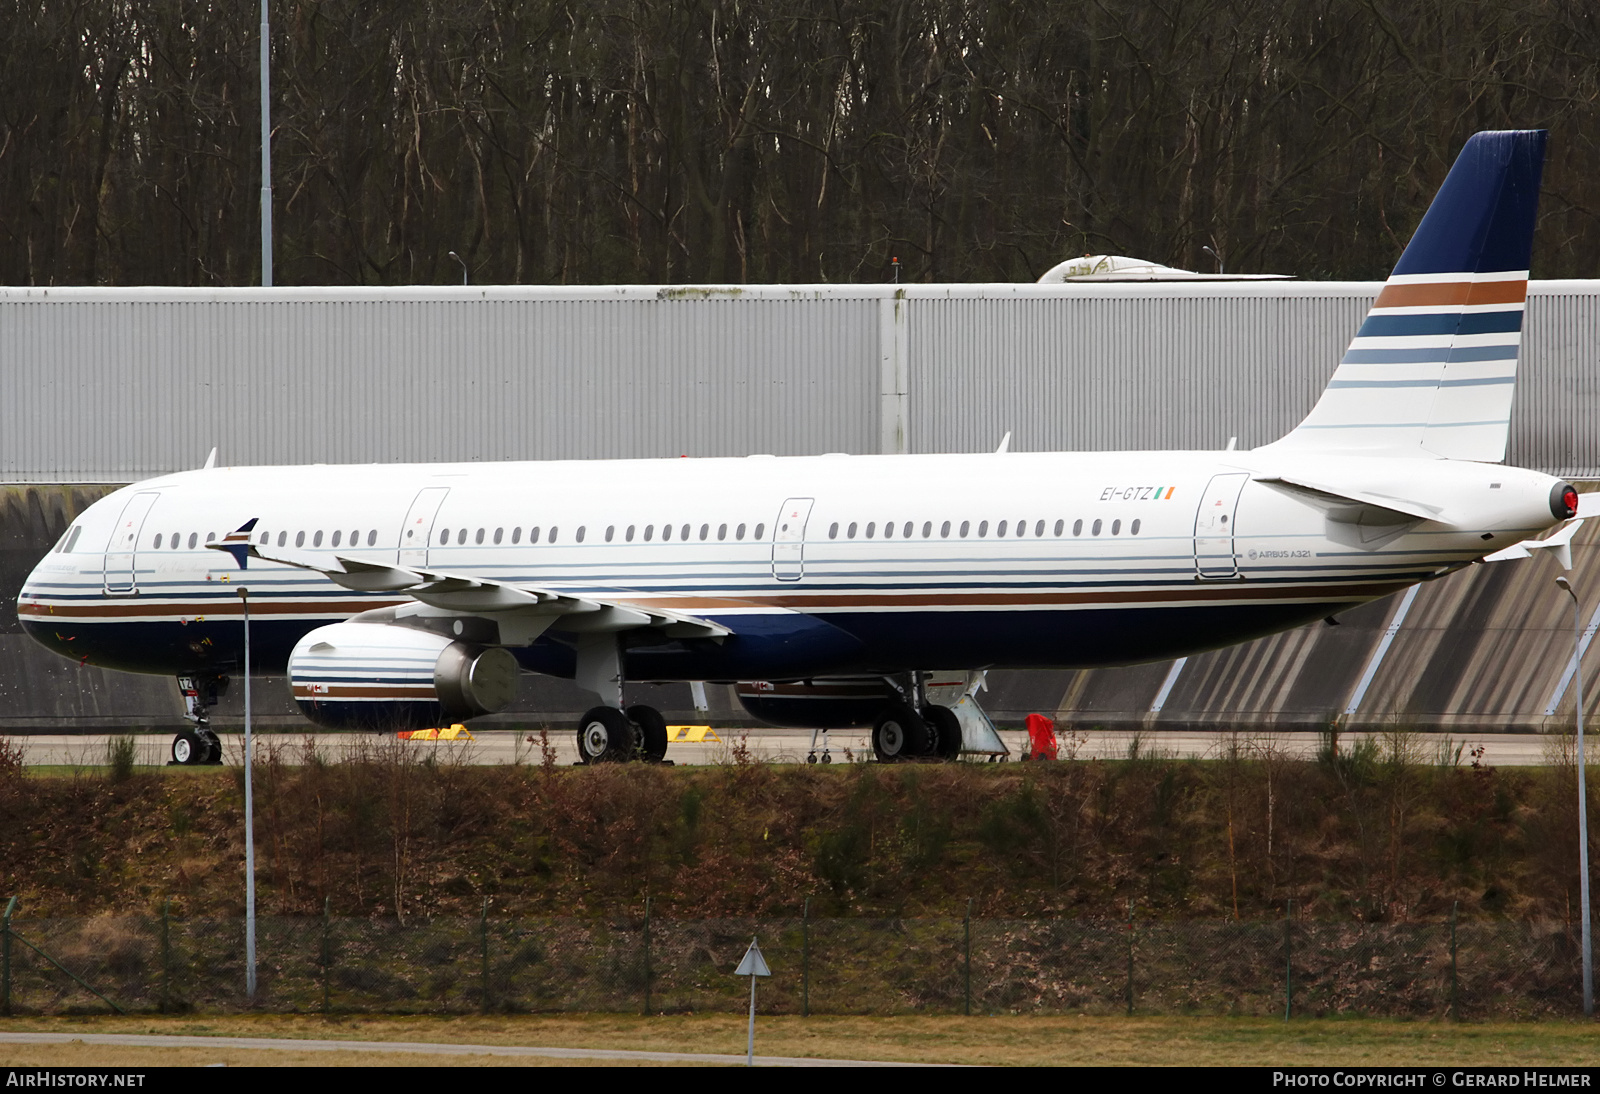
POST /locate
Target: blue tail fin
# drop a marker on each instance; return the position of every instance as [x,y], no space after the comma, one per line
[1432,371]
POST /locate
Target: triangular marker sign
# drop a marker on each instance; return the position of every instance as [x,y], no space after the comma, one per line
[753,964]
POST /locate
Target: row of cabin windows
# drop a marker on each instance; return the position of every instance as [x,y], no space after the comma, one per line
[1018,530]
[266,537]
[534,535]
[629,534]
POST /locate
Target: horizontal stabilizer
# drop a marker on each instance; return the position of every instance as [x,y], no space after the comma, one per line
[1559,541]
[1403,509]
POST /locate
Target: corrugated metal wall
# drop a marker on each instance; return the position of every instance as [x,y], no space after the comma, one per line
[113,385]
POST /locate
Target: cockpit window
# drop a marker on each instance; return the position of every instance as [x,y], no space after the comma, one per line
[68,538]
[72,537]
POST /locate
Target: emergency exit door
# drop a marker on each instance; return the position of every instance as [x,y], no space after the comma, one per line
[789,539]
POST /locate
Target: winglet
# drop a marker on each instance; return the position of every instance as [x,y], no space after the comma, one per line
[237,542]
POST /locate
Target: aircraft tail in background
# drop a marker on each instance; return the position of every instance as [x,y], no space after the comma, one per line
[1432,371]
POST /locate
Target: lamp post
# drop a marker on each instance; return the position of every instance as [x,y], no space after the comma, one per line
[249,820]
[463,266]
[1583,801]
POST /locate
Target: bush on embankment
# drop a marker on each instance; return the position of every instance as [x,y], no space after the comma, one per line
[1369,834]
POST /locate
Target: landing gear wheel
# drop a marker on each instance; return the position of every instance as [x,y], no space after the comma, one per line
[900,734]
[213,746]
[827,759]
[944,732]
[811,758]
[652,725]
[189,749]
[605,736]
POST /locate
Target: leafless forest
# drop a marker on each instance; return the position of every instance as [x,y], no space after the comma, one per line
[769,140]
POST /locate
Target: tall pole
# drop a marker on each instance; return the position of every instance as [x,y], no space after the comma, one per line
[266,154]
[1583,802]
[249,821]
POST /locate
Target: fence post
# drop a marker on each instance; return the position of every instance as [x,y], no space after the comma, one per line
[327,952]
[166,954]
[1455,1013]
[483,942]
[647,955]
[5,958]
[1288,960]
[805,959]
[1130,957]
[966,962]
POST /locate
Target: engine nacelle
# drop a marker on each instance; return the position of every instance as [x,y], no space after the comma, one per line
[378,676]
[848,702]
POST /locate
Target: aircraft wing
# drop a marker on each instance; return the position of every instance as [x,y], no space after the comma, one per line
[467,594]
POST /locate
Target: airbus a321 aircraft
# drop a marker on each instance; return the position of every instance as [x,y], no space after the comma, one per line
[406,596]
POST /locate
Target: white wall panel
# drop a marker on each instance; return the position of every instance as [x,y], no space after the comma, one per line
[117,384]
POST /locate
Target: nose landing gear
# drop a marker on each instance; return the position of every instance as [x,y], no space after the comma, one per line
[199,744]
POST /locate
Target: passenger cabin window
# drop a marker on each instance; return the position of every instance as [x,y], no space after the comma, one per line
[850,533]
[705,532]
[1133,529]
[1038,529]
[983,528]
[1000,529]
[282,537]
[533,534]
[871,527]
[1095,529]
[649,532]
[833,530]
[299,539]
[478,539]
[1116,527]
[628,535]
[760,529]
[372,537]
[156,544]
[316,540]
[888,529]
[516,534]
[579,535]
[611,533]
[739,534]
[722,532]
[966,526]
[1060,524]
[944,530]
[927,529]
[666,532]
[1077,527]
[338,534]
[500,532]
[683,533]
[265,536]
[444,537]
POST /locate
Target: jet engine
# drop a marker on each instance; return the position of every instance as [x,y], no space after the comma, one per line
[379,676]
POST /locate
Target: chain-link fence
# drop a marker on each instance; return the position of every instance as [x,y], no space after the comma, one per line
[820,966]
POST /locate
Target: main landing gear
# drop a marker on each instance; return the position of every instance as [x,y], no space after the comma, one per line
[901,734]
[609,735]
[913,728]
[198,744]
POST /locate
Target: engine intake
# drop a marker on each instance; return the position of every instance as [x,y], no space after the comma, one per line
[378,676]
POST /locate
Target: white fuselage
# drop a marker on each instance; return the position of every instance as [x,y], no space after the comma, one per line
[950,561]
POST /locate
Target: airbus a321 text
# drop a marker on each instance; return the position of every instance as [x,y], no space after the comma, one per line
[400,597]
